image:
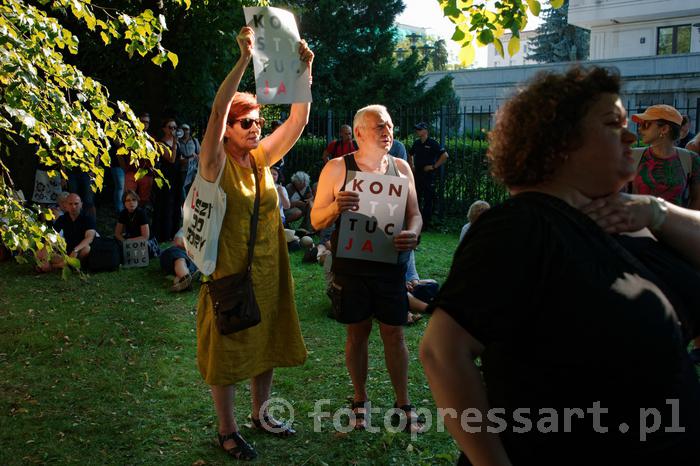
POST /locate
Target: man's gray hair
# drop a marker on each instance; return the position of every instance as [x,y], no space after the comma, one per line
[379,110]
[476,209]
[302,177]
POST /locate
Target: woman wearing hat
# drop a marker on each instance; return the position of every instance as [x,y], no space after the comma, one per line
[663,170]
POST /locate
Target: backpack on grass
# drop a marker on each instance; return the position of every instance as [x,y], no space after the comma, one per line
[105,255]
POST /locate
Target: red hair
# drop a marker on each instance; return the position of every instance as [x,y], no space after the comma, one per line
[243,102]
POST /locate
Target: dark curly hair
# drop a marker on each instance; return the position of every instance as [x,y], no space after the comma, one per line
[539,126]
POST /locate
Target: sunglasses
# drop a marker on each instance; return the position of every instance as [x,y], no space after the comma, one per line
[646,124]
[246,123]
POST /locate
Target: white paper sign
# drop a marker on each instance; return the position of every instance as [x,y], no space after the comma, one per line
[135,252]
[46,188]
[280,75]
[368,233]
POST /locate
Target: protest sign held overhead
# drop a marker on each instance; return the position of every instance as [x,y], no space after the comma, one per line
[368,232]
[280,75]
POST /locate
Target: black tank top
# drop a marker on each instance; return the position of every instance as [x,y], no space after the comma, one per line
[348,266]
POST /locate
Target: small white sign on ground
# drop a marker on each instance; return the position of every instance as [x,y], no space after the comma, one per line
[135,253]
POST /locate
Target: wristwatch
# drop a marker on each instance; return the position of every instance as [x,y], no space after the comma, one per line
[659,212]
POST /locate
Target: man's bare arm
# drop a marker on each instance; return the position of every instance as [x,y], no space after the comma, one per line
[330,200]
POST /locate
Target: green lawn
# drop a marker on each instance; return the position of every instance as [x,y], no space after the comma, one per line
[103,372]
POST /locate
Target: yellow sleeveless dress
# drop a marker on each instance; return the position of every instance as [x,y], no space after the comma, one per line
[276,341]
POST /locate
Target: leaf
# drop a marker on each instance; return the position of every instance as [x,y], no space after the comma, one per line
[452,11]
[535,7]
[556,3]
[498,45]
[172,56]
[159,59]
[458,35]
[466,55]
[513,45]
[90,21]
[105,37]
[485,37]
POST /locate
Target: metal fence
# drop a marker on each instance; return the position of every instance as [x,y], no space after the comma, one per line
[462,131]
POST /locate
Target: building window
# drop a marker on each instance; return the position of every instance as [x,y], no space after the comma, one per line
[673,39]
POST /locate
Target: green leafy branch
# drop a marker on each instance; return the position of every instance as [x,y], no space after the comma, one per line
[476,23]
[68,116]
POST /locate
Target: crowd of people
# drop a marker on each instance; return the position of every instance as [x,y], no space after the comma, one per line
[579,289]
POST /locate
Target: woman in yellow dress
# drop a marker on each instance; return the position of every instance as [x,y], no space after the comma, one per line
[232,140]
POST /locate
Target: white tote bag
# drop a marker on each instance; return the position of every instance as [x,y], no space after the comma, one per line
[203,214]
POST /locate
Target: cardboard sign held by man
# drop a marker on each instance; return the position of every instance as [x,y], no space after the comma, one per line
[280,76]
[368,233]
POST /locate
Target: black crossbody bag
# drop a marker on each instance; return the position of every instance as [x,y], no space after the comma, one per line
[233,298]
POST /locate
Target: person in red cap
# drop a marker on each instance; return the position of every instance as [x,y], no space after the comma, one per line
[664,170]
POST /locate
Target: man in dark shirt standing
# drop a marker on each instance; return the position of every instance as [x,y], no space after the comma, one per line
[425,156]
[78,231]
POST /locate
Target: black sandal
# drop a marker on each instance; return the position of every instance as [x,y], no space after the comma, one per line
[242,451]
[414,423]
[359,416]
[273,427]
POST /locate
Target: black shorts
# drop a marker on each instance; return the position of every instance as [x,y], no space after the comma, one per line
[357,298]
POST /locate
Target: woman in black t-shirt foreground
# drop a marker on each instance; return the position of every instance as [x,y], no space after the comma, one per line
[582,333]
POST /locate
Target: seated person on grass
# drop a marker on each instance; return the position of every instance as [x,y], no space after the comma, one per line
[133,223]
[174,261]
[301,200]
[78,231]
[420,292]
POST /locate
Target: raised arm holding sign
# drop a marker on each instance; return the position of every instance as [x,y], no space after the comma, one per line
[236,161]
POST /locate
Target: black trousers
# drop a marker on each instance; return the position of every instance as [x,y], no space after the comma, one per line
[425,189]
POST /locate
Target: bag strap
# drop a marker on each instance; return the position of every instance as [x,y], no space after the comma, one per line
[685,157]
[637,153]
[218,177]
[254,217]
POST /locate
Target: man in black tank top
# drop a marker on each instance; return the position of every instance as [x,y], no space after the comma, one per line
[362,290]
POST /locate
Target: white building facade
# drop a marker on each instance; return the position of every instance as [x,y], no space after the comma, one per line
[655,44]
[638,28]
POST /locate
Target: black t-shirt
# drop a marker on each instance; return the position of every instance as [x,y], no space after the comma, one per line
[74,231]
[568,317]
[132,222]
[425,153]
